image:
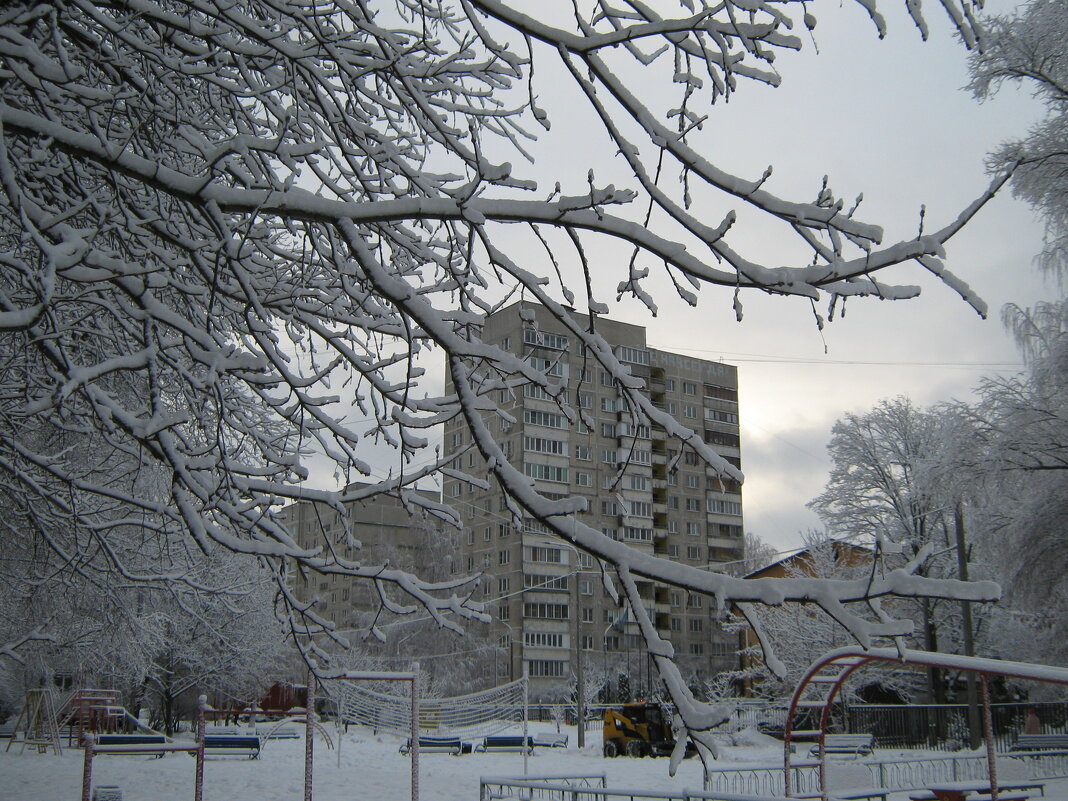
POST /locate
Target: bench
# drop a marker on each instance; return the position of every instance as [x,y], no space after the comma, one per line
[549,740]
[506,743]
[232,744]
[131,743]
[855,744]
[1040,742]
[438,745]
[927,795]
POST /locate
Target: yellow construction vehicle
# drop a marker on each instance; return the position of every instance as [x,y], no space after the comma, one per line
[639,729]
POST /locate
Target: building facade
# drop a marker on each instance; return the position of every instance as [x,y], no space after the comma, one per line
[547,599]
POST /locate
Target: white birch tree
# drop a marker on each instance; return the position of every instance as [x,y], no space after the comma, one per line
[220,219]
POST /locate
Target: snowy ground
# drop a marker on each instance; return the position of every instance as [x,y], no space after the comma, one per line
[371,769]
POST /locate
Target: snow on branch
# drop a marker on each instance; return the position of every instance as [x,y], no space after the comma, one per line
[236,235]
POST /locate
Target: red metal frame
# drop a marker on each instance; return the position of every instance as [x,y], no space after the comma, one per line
[819,686]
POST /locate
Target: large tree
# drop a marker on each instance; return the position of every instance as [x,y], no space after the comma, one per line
[224,222]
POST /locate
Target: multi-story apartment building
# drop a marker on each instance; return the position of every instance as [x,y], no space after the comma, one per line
[378,531]
[545,596]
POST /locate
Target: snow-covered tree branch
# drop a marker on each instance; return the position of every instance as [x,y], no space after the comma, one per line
[228,228]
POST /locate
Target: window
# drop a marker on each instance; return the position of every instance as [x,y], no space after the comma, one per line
[543,639]
[456,489]
[636,533]
[722,507]
[721,438]
[546,555]
[535,417]
[532,580]
[536,392]
[545,472]
[608,404]
[696,649]
[693,528]
[504,557]
[638,482]
[585,559]
[693,504]
[544,339]
[693,551]
[546,669]
[471,537]
[641,509]
[487,534]
[670,384]
[583,453]
[715,415]
[673,525]
[543,445]
[506,612]
[554,367]
[506,343]
[633,355]
[587,642]
[673,551]
[696,624]
[722,393]
[676,624]
[695,601]
[609,508]
[721,649]
[503,529]
[456,439]
[587,614]
[608,430]
[690,412]
[611,642]
[585,587]
[673,503]
[607,380]
[639,431]
[585,400]
[673,479]
[545,611]
[583,479]
[502,585]
[689,388]
[608,456]
[672,408]
[693,481]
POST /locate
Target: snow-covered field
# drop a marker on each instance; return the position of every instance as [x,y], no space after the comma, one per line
[371,769]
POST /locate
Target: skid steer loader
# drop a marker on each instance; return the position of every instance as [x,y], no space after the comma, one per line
[639,729]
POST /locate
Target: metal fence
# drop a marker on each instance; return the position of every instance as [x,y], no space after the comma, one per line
[945,726]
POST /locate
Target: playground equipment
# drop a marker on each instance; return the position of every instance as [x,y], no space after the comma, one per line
[816,692]
[37,724]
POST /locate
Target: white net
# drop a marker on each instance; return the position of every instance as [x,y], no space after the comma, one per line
[478,714]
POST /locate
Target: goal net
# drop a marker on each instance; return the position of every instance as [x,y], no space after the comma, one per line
[478,714]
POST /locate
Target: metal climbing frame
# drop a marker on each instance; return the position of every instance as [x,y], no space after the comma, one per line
[817,689]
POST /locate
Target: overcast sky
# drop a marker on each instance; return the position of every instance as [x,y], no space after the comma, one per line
[887,118]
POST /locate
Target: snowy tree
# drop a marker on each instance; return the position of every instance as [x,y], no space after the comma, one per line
[802,633]
[1018,464]
[886,488]
[1031,48]
[228,225]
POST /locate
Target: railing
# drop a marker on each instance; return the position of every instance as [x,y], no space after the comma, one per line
[764,780]
[578,788]
[915,772]
[908,773]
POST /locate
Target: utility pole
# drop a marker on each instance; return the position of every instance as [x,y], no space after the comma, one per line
[580,679]
[966,619]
